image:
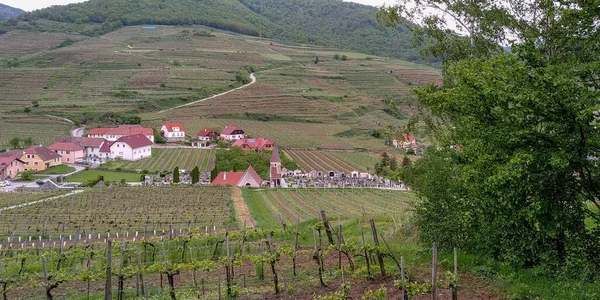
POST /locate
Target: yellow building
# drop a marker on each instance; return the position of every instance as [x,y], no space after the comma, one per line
[39,158]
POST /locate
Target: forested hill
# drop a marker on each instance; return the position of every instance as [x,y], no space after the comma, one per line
[7,12]
[331,23]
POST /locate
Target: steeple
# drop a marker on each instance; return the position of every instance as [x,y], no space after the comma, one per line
[275,170]
[275,155]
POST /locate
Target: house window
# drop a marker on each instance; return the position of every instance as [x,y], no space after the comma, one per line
[68,159]
[68,152]
[35,163]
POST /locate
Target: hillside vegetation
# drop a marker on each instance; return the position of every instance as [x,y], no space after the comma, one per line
[332,23]
[7,12]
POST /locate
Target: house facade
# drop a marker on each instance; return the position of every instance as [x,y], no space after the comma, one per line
[406,141]
[173,132]
[130,147]
[79,149]
[11,164]
[40,158]
[71,152]
[113,134]
[232,133]
[243,179]
[257,144]
[207,134]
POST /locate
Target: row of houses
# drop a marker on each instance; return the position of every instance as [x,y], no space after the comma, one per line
[35,158]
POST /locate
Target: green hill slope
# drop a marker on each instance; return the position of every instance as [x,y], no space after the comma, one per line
[331,23]
[7,12]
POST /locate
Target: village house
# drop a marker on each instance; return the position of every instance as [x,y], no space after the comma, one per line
[405,142]
[11,164]
[204,137]
[40,158]
[113,134]
[173,132]
[257,144]
[232,133]
[243,179]
[71,152]
[87,150]
[130,147]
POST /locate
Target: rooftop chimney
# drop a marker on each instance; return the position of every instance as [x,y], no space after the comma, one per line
[224,175]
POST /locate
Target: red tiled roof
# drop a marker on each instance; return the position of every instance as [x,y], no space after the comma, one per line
[106,147]
[9,156]
[123,130]
[257,143]
[275,155]
[253,174]
[230,129]
[227,178]
[170,126]
[99,131]
[44,153]
[135,141]
[207,132]
[65,146]
[92,142]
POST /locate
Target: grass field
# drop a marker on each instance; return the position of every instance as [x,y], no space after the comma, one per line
[108,176]
[120,209]
[167,159]
[62,169]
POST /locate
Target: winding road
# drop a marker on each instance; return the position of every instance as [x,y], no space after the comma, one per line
[252,77]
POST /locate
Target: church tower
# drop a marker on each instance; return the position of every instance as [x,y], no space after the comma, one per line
[275,174]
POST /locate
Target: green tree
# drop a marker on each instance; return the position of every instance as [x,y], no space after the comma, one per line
[27,175]
[393,164]
[176,175]
[243,77]
[158,138]
[406,161]
[524,182]
[28,142]
[195,175]
[336,56]
[15,142]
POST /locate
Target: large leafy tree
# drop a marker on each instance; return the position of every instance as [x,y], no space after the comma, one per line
[517,129]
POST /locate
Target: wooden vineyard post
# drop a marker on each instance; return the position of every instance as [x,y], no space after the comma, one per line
[228,266]
[295,246]
[317,257]
[219,291]
[434,272]
[108,285]
[376,240]
[404,296]
[455,289]
[455,262]
[362,234]
[340,247]
[146,291]
[140,276]
[327,227]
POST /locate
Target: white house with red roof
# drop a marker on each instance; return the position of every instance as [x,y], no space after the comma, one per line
[406,141]
[257,144]
[173,132]
[130,147]
[11,164]
[232,133]
[245,179]
[113,134]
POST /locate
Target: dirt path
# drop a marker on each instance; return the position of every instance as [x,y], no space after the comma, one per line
[252,77]
[243,214]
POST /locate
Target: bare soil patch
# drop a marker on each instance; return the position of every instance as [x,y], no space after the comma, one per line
[241,209]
